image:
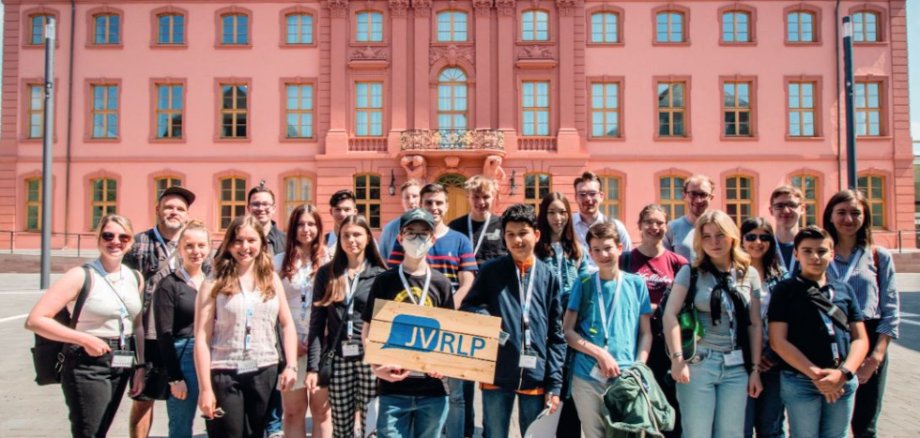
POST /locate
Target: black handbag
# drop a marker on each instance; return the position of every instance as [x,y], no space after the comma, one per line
[47,354]
[324,374]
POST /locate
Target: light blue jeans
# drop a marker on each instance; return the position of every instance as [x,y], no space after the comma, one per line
[182,412]
[404,416]
[810,415]
[713,404]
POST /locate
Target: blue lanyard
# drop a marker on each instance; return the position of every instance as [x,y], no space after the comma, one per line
[123,312]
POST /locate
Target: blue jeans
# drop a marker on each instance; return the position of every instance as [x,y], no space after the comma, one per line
[496,411]
[182,412]
[810,415]
[765,413]
[712,405]
[455,417]
[403,416]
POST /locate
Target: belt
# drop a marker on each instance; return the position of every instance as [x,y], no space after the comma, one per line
[113,343]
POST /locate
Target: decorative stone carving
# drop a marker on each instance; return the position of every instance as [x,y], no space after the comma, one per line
[452,54]
[422,7]
[337,8]
[369,53]
[452,162]
[566,7]
[452,139]
[482,7]
[415,167]
[492,168]
[506,7]
[398,7]
[535,52]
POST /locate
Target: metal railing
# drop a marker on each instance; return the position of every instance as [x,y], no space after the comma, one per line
[452,139]
[60,241]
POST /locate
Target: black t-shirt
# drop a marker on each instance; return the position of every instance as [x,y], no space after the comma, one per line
[492,244]
[174,316]
[388,286]
[807,331]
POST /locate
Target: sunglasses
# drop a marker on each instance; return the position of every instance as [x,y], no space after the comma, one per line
[123,238]
[754,237]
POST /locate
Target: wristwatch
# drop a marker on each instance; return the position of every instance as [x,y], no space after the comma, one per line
[677,355]
[291,367]
[175,382]
[847,374]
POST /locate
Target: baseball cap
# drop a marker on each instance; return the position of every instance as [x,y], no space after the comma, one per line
[178,191]
[416,215]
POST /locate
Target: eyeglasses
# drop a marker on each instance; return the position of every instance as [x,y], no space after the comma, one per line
[262,205]
[123,238]
[789,205]
[698,195]
[410,235]
[588,194]
[754,237]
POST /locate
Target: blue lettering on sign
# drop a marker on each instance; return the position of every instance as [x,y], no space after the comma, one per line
[410,332]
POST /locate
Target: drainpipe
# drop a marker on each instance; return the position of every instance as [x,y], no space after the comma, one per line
[73,25]
[837,88]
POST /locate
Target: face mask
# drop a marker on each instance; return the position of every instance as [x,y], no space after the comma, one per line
[417,247]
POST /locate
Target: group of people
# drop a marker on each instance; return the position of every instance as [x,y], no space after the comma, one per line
[790,321]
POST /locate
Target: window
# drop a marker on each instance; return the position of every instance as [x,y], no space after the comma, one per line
[103,200]
[873,186]
[164,182]
[536,186]
[610,206]
[800,27]
[535,25]
[299,29]
[605,109]
[107,29]
[605,27]
[808,184]
[299,110]
[367,192]
[672,109]
[169,110]
[736,109]
[33,204]
[298,190]
[37,31]
[738,198]
[452,103]
[867,98]
[535,108]
[865,27]
[802,109]
[234,29]
[736,27]
[452,26]
[171,29]
[670,195]
[234,110]
[36,110]
[370,27]
[669,27]
[232,200]
[369,109]
[105,111]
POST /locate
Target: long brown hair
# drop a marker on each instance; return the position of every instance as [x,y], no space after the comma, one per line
[570,245]
[336,269]
[864,233]
[292,248]
[226,269]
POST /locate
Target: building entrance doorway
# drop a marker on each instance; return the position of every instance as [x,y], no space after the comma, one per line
[456,196]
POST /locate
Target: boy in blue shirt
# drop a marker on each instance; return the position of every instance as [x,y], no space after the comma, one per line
[608,323]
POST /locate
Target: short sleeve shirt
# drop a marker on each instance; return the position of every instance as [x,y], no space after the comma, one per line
[451,254]
[719,337]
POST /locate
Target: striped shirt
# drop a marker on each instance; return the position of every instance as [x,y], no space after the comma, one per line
[875,289]
[451,254]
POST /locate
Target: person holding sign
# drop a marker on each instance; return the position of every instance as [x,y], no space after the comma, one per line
[412,404]
[817,329]
[524,292]
[341,289]
[235,338]
[608,321]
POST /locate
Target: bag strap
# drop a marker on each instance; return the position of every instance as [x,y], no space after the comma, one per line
[828,308]
[625,260]
[81,298]
[691,289]
[330,349]
[878,269]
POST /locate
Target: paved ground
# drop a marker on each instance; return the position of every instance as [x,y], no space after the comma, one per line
[32,411]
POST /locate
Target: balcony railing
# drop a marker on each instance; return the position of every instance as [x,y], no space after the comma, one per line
[367,144]
[537,143]
[452,140]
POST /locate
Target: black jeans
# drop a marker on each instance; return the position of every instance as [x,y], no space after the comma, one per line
[869,395]
[245,401]
[92,391]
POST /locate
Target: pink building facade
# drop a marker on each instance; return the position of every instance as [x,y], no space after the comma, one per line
[312,97]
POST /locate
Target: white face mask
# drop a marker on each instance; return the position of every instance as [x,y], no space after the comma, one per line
[417,247]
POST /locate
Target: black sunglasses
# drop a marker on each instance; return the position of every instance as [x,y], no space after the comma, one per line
[108,237]
[754,237]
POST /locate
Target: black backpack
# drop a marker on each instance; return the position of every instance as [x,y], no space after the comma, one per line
[657,317]
[47,354]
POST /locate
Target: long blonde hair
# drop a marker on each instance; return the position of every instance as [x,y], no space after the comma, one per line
[226,269]
[737,256]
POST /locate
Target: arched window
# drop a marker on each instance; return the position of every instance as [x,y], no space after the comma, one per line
[670,195]
[866,27]
[234,29]
[369,27]
[33,204]
[605,27]
[232,198]
[739,197]
[107,29]
[873,186]
[670,27]
[367,194]
[452,100]
[452,26]
[299,29]
[171,29]
[611,205]
[800,27]
[535,25]
[536,186]
[736,27]
[103,199]
[298,190]
[808,184]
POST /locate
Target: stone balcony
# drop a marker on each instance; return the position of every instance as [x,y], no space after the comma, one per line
[452,141]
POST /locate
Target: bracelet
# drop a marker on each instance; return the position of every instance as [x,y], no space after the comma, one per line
[176,382]
[291,367]
[677,355]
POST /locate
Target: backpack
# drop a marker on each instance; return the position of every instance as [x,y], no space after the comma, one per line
[47,354]
[690,327]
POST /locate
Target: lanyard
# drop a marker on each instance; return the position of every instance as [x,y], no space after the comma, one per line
[305,287]
[123,312]
[525,302]
[559,260]
[350,290]
[405,283]
[605,319]
[851,266]
[248,298]
[790,266]
[170,260]
[730,311]
[482,232]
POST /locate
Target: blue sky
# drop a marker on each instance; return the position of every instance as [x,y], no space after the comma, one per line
[913,47]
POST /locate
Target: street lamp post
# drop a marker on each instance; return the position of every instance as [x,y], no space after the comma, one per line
[848,88]
[47,154]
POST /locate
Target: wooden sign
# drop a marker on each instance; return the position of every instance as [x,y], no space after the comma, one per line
[456,344]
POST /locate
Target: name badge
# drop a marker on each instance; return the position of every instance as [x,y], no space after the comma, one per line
[122,359]
[528,360]
[246,366]
[736,357]
[503,337]
[351,349]
[597,375]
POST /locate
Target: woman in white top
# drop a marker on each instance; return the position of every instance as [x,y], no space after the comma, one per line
[101,356]
[235,355]
[304,253]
